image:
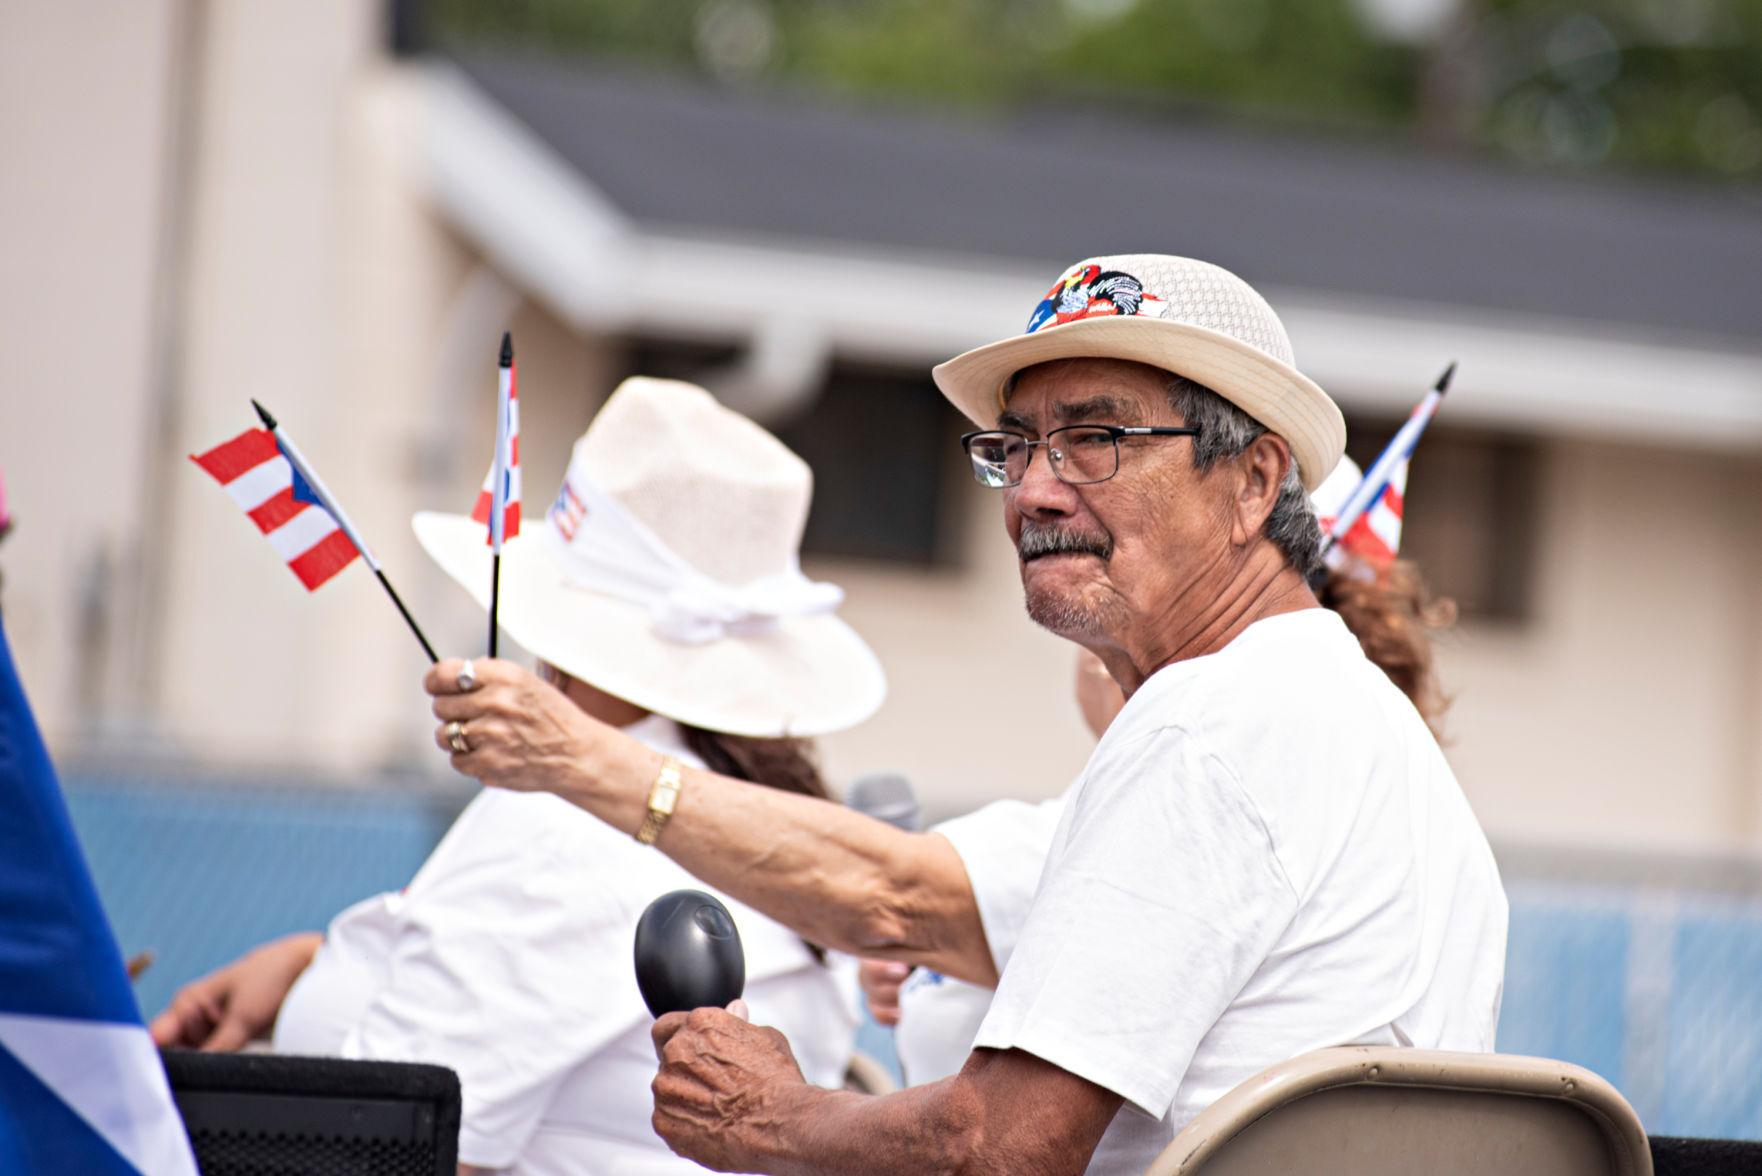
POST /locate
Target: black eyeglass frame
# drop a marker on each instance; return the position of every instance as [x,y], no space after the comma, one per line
[1114,431]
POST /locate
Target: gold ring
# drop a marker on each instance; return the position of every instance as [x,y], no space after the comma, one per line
[455,732]
[467,681]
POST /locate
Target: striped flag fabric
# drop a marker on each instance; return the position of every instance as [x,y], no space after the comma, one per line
[507,460]
[1376,536]
[257,474]
[81,1086]
[1378,503]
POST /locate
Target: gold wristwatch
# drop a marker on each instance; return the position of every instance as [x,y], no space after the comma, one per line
[663,797]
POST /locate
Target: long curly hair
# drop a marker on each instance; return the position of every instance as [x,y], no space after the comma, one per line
[1394,615]
[784,764]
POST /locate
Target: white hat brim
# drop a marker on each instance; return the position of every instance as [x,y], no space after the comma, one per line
[1274,393]
[809,676]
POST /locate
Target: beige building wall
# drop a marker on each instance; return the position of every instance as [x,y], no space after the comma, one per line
[295,253]
[324,286]
[86,101]
[1625,712]
[314,278]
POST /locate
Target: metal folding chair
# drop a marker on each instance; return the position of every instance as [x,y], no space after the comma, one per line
[1381,1111]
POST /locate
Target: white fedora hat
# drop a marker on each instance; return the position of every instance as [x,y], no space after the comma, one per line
[1184,316]
[666,573]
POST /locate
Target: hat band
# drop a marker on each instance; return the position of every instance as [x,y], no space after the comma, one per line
[603,548]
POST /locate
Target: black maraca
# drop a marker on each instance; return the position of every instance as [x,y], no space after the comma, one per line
[688,954]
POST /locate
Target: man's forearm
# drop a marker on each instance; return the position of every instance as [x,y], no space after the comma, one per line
[928,1129]
[730,1095]
[839,878]
[1003,1115]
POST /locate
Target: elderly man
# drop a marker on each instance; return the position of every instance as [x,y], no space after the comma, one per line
[1266,854]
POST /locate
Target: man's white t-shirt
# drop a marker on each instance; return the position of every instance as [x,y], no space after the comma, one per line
[508,958]
[1265,855]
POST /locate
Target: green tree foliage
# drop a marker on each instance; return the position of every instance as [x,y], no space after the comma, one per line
[1671,84]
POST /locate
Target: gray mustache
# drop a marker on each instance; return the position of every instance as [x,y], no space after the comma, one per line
[1038,541]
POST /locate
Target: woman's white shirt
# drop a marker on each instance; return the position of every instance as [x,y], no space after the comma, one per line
[509,959]
[1004,847]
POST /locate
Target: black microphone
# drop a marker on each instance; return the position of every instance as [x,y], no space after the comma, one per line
[688,954]
[887,796]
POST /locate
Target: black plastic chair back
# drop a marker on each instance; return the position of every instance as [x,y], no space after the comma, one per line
[272,1115]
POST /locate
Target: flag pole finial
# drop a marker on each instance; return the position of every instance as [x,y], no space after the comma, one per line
[1443,384]
[507,359]
[263,415]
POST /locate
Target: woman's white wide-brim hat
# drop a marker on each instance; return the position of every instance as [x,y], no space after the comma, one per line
[725,497]
[1188,317]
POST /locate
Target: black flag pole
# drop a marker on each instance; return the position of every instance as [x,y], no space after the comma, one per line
[498,507]
[328,501]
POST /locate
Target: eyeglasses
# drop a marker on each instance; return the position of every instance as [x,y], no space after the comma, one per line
[1079,454]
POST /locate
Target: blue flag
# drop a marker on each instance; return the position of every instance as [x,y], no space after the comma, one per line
[81,1086]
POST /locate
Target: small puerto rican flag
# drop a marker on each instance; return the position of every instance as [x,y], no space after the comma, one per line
[1376,536]
[291,515]
[507,459]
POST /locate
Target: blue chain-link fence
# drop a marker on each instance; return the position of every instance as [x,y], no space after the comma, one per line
[199,871]
[1648,971]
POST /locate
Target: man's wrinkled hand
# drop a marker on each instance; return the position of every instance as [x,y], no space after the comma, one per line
[723,1088]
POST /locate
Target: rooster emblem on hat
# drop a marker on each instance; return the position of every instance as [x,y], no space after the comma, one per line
[1088,291]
